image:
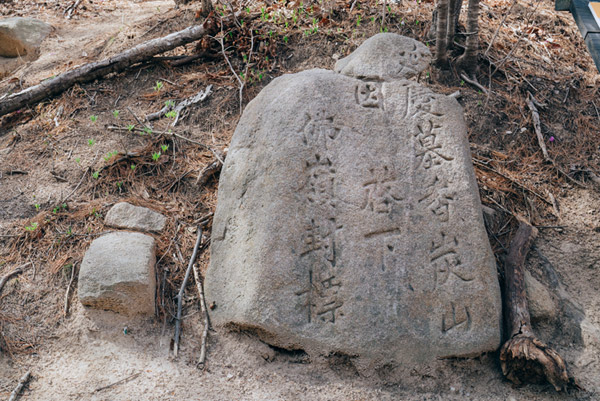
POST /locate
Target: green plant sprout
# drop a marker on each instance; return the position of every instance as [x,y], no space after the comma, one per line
[78,160]
[37,207]
[170,103]
[285,39]
[130,127]
[171,114]
[116,114]
[158,86]
[109,155]
[133,166]
[358,20]
[147,130]
[96,174]
[93,118]
[164,148]
[155,156]
[91,142]
[32,227]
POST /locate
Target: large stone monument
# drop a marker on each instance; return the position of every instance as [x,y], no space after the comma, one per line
[348,218]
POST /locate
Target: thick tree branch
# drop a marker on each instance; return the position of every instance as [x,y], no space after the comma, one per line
[89,72]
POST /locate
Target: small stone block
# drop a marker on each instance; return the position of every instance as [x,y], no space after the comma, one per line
[117,274]
[125,215]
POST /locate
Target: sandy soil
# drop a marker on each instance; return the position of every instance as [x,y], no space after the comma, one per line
[101,356]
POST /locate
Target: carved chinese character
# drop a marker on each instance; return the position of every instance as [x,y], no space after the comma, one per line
[456,317]
[382,191]
[320,130]
[445,260]
[438,197]
[368,94]
[428,150]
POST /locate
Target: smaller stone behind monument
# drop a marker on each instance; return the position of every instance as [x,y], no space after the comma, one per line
[117,274]
[125,215]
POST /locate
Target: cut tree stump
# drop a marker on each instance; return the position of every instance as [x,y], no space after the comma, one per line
[89,72]
[524,358]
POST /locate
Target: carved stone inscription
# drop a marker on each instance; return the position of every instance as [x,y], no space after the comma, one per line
[348,222]
[320,291]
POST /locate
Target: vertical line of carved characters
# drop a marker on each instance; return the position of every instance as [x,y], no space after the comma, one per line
[438,197]
[445,260]
[455,318]
[382,189]
[369,94]
[428,150]
[319,130]
[321,177]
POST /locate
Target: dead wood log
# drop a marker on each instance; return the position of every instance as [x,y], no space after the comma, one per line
[179,296]
[524,358]
[88,72]
[22,382]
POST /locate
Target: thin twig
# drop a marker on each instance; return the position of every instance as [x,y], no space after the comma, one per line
[235,74]
[8,276]
[474,83]
[182,291]
[73,270]
[537,126]
[15,393]
[125,380]
[498,29]
[518,184]
[209,148]
[71,9]
[199,287]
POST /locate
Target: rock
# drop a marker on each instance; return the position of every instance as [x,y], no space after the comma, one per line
[386,56]
[541,303]
[125,215]
[117,274]
[20,39]
[348,221]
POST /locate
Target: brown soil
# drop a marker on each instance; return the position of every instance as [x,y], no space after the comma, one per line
[52,206]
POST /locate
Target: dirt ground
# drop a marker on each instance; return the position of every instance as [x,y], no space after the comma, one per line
[63,164]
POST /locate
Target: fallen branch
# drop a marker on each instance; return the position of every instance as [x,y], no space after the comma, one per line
[88,72]
[182,291]
[536,125]
[8,276]
[208,172]
[474,83]
[523,358]
[199,287]
[125,380]
[22,382]
[197,98]
[73,270]
[71,9]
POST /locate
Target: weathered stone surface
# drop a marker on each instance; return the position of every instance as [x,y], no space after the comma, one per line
[20,39]
[20,36]
[125,215]
[541,305]
[386,56]
[117,274]
[349,221]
